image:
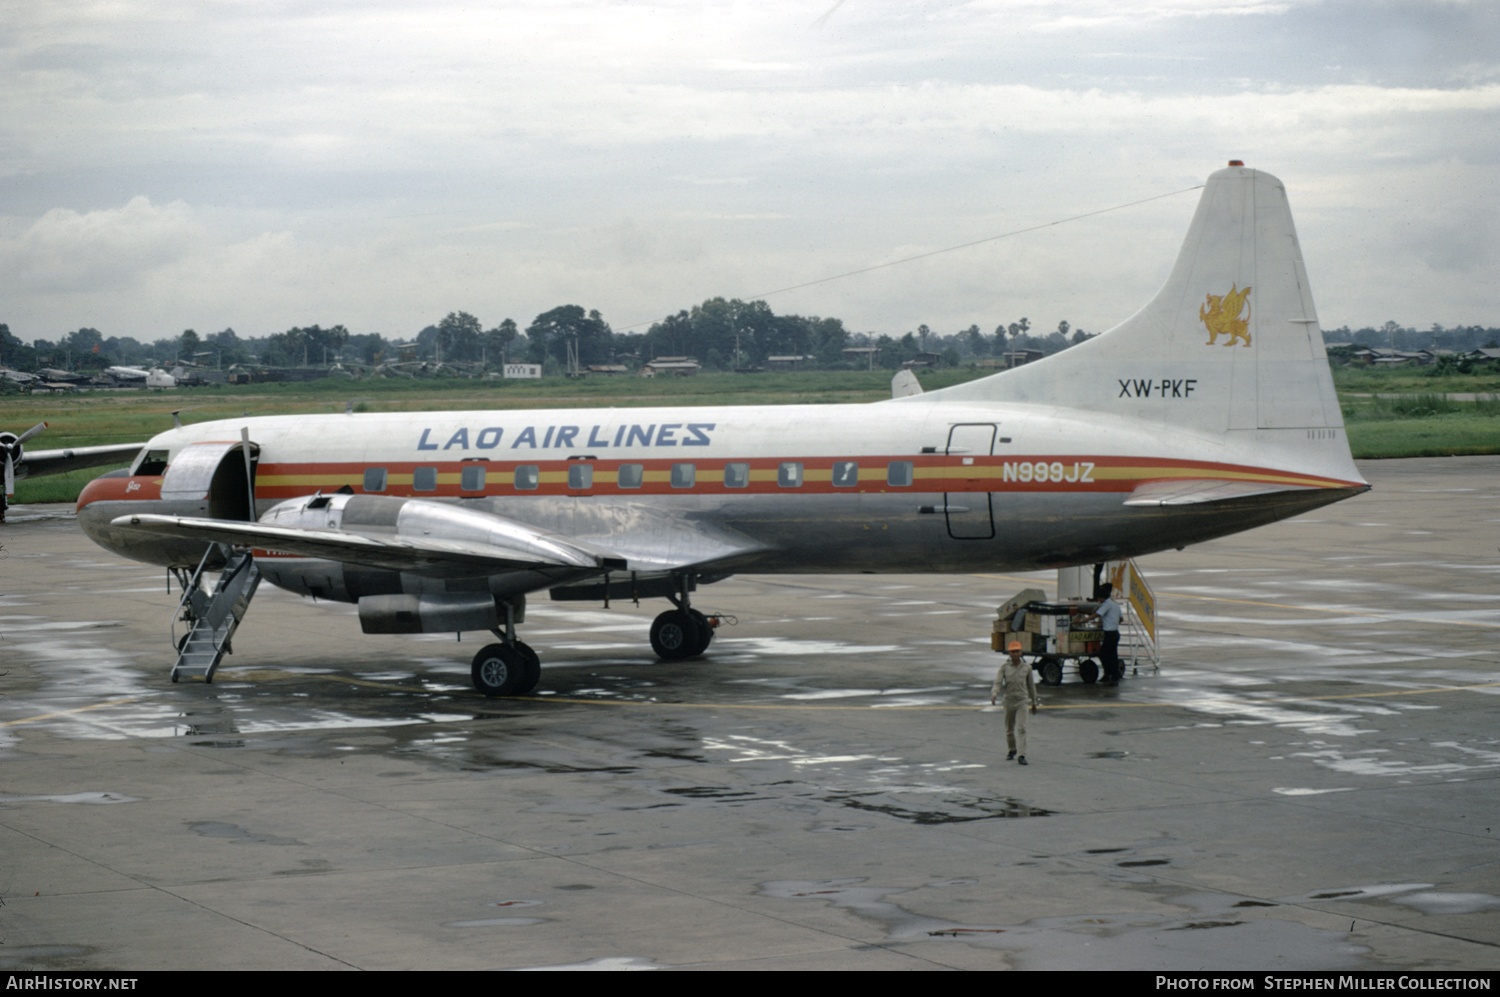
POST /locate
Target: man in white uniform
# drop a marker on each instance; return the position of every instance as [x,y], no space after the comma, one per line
[1015,682]
[1108,614]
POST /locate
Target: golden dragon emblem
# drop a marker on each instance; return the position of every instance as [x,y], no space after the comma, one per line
[1221,316]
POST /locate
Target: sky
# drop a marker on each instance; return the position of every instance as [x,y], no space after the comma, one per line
[261,165]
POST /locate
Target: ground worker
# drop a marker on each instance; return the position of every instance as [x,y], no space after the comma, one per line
[1014,680]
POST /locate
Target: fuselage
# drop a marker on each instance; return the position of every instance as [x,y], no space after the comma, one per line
[903,486]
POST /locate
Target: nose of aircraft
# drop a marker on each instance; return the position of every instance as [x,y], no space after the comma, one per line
[98,503]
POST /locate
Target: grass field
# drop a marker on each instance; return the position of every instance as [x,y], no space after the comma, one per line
[1419,422]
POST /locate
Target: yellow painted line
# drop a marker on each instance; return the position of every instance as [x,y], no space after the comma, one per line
[1394,618]
[66,713]
[800,707]
[1282,702]
[271,673]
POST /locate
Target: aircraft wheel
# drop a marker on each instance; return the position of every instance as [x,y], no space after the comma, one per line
[705,632]
[499,671]
[1051,672]
[1088,670]
[533,666]
[674,636]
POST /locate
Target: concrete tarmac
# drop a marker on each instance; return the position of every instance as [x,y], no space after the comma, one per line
[1309,782]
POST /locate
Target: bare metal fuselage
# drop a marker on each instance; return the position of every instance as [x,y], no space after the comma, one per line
[848,488]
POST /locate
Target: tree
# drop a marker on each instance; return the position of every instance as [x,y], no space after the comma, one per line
[187,344]
[304,345]
[229,347]
[974,339]
[14,353]
[550,332]
[498,340]
[458,337]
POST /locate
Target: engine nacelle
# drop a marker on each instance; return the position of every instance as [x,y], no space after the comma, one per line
[444,599]
[425,614]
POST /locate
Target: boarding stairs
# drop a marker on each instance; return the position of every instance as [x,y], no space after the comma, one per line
[213,617]
[1138,632]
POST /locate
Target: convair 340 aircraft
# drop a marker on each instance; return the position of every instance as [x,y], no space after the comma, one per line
[1209,411]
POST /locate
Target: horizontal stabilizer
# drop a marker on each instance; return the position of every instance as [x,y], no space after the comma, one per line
[393,552]
[1194,491]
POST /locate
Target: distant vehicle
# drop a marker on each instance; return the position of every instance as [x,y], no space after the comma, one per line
[1209,411]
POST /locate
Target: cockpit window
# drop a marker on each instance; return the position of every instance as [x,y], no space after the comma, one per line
[150,462]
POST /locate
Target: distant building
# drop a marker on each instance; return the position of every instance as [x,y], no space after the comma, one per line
[675,366]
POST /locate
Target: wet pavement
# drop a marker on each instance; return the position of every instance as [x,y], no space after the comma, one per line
[1310,781]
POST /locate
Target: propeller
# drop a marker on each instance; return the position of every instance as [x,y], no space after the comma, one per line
[10,443]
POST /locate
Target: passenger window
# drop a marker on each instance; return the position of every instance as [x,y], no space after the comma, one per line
[629,476]
[683,475]
[424,479]
[580,476]
[374,479]
[898,474]
[472,478]
[789,475]
[845,474]
[736,475]
[527,477]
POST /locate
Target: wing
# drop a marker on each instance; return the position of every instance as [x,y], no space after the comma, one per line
[507,546]
[35,463]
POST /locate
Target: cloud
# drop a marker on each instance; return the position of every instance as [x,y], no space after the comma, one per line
[66,250]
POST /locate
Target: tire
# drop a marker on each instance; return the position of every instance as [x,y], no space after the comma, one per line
[674,636]
[705,632]
[1051,670]
[533,666]
[499,671]
[1088,670]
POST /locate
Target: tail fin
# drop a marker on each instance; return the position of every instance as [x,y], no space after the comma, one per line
[1230,343]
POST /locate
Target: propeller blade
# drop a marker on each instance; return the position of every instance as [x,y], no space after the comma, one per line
[10,474]
[31,432]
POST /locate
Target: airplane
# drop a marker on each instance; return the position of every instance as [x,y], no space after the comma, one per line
[153,378]
[1209,411]
[20,463]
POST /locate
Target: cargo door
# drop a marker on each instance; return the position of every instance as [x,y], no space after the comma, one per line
[968,505]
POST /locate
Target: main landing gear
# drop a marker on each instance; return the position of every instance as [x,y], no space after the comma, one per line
[682,632]
[506,669]
[510,668]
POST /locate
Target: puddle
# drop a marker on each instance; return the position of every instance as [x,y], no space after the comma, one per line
[604,964]
[93,798]
[1115,941]
[1449,903]
[235,833]
[956,808]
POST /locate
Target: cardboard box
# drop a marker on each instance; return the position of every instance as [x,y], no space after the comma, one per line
[1006,611]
